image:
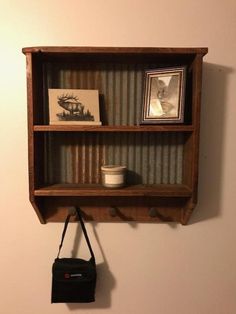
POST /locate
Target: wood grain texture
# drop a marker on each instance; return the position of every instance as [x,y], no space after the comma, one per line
[125,50]
[118,128]
[170,190]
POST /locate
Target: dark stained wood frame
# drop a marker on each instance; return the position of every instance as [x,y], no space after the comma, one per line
[154,203]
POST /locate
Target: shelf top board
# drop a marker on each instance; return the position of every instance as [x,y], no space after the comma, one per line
[116,50]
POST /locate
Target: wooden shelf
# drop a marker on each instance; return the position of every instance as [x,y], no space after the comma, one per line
[75,153]
[167,190]
[118,128]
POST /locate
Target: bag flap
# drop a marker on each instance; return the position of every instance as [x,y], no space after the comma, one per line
[73,269]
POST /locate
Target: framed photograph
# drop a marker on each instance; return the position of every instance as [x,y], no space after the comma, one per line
[74,106]
[164,95]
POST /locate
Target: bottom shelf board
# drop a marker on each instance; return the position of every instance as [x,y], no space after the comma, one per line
[87,190]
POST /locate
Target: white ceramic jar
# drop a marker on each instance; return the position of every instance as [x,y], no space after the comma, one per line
[113,176]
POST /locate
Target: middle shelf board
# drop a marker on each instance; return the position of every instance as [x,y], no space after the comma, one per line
[87,190]
[118,128]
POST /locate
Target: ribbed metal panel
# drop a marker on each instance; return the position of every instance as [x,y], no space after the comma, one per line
[151,158]
[120,87]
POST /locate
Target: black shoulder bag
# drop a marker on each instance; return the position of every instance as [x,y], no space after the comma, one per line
[74,279]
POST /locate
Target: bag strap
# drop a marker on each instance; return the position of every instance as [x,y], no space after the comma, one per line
[78,210]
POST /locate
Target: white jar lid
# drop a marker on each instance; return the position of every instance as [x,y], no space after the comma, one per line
[112,168]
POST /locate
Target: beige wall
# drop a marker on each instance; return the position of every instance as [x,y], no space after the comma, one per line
[143,268]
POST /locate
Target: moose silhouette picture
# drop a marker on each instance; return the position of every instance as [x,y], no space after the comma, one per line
[74,106]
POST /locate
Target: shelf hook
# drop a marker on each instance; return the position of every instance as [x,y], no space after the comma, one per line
[152,212]
[72,211]
[113,211]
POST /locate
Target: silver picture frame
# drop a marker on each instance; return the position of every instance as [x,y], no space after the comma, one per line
[164,96]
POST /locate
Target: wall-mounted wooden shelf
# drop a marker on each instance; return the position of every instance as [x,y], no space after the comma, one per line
[65,161]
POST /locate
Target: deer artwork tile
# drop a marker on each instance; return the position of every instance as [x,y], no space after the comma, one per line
[74,106]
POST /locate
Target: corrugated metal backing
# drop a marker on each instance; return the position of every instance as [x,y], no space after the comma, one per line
[151,158]
[120,87]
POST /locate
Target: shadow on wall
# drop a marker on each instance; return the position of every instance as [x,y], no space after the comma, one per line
[105,280]
[211,159]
